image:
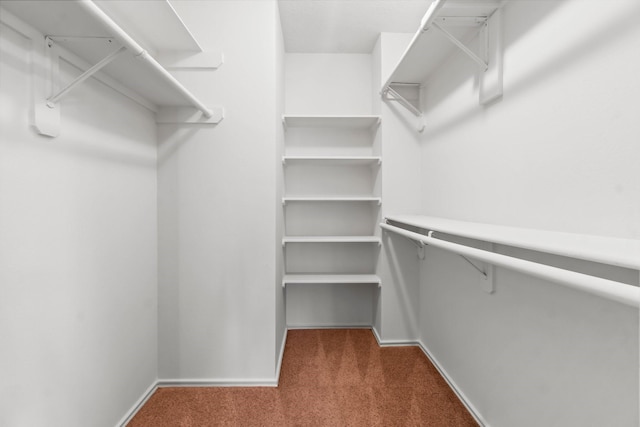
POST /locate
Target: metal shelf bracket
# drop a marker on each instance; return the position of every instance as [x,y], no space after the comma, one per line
[420,246]
[487,282]
[391,94]
[480,61]
[53,100]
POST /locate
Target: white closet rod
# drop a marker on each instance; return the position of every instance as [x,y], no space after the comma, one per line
[612,290]
[137,50]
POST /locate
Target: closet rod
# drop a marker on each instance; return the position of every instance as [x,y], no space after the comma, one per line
[612,290]
[119,34]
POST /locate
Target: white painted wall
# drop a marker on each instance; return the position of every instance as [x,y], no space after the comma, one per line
[217,212]
[558,152]
[567,114]
[281,321]
[397,314]
[328,84]
[78,253]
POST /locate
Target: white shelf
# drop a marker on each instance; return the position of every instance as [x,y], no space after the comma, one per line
[431,48]
[339,121]
[447,28]
[289,199]
[330,239]
[323,279]
[155,24]
[334,160]
[606,250]
[158,24]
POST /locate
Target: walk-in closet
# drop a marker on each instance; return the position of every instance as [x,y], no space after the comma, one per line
[319,212]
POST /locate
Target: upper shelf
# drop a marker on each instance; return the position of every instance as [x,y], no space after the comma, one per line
[429,48]
[94,30]
[354,122]
[446,27]
[162,29]
[606,250]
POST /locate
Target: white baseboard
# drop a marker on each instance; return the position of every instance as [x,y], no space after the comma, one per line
[463,398]
[267,382]
[232,382]
[139,404]
[273,382]
[342,326]
[418,343]
[193,383]
[281,356]
[219,382]
[392,343]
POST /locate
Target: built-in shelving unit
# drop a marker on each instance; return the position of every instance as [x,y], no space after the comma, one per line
[446,27]
[331,199]
[95,37]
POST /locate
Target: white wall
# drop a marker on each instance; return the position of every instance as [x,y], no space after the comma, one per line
[328,84]
[217,210]
[558,152]
[397,316]
[281,321]
[77,253]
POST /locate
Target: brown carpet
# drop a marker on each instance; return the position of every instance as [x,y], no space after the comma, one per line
[329,377]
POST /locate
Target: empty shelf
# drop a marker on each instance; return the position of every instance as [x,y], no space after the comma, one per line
[334,160]
[356,122]
[78,27]
[330,239]
[606,250]
[320,279]
[330,199]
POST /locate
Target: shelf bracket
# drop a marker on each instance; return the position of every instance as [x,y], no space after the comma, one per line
[46,75]
[53,100]
[491,86]
[481,62]
[420,246]
[474,266]
[45,70]
[487,276]
[489,58]
[396,97]
[487,281]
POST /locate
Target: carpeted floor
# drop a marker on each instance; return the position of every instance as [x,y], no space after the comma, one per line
[329,377]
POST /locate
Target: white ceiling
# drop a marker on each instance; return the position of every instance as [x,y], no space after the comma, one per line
[345,26]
